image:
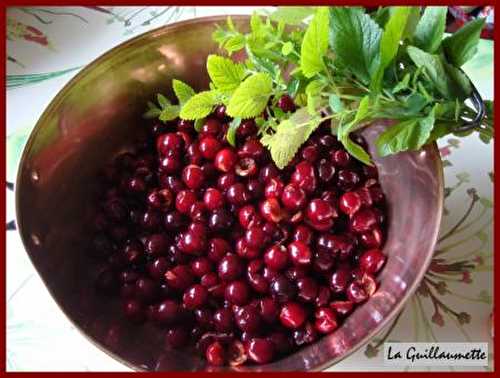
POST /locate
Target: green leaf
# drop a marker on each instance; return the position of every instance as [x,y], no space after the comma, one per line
[152,113]
[461,84]
[234,43]
[315,44]
[430,29]
[289,136]
[389,43]
[251,97]
[355,40]
[198,106]
[489,108]
[291,15]
[257,26]
[412,22]
[410,134]
[356,150]
[363,110]
[231,131]
[182,91]
[434,68]
[409,106]
[287,48]
[402,85]
[162,100]
[344,130]
[230,24]
[293,87]
[313,91]
[169,113]
[335,103]
[381,16]
[224,73]
[462,45]
[198,124]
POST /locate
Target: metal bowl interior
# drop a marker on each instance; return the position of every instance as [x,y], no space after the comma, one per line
[95,116]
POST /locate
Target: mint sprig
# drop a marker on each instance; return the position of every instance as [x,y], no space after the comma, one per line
[342,66]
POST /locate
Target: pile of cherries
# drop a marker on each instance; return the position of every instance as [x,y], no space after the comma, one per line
[218,247]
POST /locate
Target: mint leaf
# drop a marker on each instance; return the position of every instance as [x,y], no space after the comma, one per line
[402,85]
[315,44]
[389,43]
[411,106]
[462,45]
[198,124]
[251,97]
[198,106]
[430,29]
[355,40]
[434,69]
[169,113]
[293,87]
[152,113]
[257,26]
[182,91]
[410,134]
[224,73]
[287,48]
[356,150]
[289,136]
[335,103]
[363,110]
[231,131]
[411,22]
[291,15]
[461,84]
[162,100]
[381,16]
[313,91]
[344,130]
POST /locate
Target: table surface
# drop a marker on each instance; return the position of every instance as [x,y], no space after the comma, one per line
[47,46]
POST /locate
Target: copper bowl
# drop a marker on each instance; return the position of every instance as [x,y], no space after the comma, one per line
[94,117]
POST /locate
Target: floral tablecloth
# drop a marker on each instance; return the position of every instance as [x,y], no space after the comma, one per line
[47,46]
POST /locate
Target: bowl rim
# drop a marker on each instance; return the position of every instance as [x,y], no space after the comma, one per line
[59,97]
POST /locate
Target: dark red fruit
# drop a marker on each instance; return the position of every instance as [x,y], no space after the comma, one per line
[193,176]
[209,147]
[292,315]
[305,177]
[230,267]
[282,289]
[247,318]
[299,253]
[184,200]
[350,203]
[319,211]
[246,167]
[271,211]
[293,197]
[372,261]
[342,308]
[286,104]
[237,292]
[215,354]
[260,351]
[225,160]
[177,337]
[364,220]
[134,311]
[276,257]
[308,289]
[326,321]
